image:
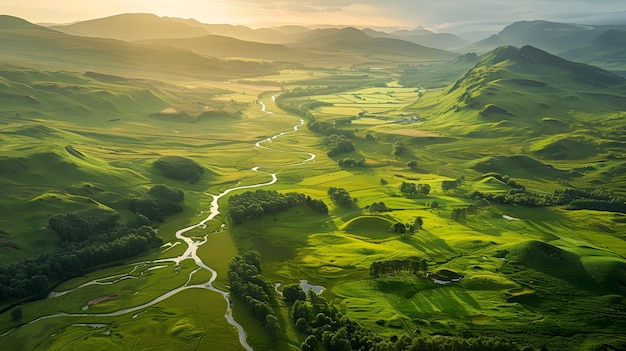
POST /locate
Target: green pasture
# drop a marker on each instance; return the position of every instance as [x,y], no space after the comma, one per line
[73,140]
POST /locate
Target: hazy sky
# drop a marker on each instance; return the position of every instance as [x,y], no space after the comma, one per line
[440,15]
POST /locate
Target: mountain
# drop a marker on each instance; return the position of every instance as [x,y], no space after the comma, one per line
[444,41]
[25,43]
[280,35]
[221,46]
[135,26]
[483,46]
[322,37]
[607,50]
[352,40]
[437,75]
[549,36]
[568,40]
[529,92]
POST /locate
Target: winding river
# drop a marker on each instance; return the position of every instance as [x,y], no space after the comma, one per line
[189,254]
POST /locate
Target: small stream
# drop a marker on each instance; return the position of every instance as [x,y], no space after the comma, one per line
[189,254]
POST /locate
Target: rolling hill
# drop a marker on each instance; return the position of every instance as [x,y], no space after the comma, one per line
[607,50]
[26,43]
[356,41]
[131,27]
[221,46]
[527,91]
[577,42]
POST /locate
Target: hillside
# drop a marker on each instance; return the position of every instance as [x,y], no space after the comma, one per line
[221,46]
[25,43]
[608,50]
[356,41]
[131,27]
[529,94]
[483,46]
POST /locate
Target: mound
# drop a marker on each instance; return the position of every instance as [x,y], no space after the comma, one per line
[367,223]
[540,255]
[608,272]
[516,166]
[565,149]
[487,282]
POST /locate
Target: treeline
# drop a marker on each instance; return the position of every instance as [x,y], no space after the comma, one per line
[329,329]
[350,162]
[95,239]
[247,284]
[395,267]
[256,204]
[160,201]
[179,168]
[573,199]
[340,197]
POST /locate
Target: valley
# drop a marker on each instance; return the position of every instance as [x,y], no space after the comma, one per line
[436,198]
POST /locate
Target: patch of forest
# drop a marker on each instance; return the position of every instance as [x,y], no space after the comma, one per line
[256,204]
[89,238]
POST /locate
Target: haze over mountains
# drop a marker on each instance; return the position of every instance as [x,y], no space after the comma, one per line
[578,42]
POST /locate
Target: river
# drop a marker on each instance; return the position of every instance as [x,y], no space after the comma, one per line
[189,254]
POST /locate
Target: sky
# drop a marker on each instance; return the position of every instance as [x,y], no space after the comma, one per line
[439,15]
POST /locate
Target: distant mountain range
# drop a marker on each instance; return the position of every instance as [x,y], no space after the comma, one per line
[22,42]
[581,43]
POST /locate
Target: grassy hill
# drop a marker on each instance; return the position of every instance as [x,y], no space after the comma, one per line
[27,43]
[608,51]
[222,46]
[352,40]
[131,27]
[514,91]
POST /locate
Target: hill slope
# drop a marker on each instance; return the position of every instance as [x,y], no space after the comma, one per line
[23,42]
[130,27]
[528,92]
[353,40]
[607,50]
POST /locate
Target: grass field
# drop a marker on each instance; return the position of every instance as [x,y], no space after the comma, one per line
[539,275]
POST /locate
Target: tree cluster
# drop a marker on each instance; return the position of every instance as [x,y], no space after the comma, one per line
[413,189]
[350,162]
[378,207]
[160,201]
[80,251]
[459,214]
[247,284]
[505,179]
[338,144]
[256,204]
[341,197]
[452,184]
[329,129]
[179,168]
[80,225]
[395,267]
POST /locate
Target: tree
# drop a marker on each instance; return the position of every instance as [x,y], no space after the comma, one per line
[412,165]
[398,227]
[293,292]
[17,313]
[434,205]
[383,182]
[408,188]
[423,189]
[272,326]
[418,223]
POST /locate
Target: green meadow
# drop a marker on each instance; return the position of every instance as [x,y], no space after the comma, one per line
[539,275]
